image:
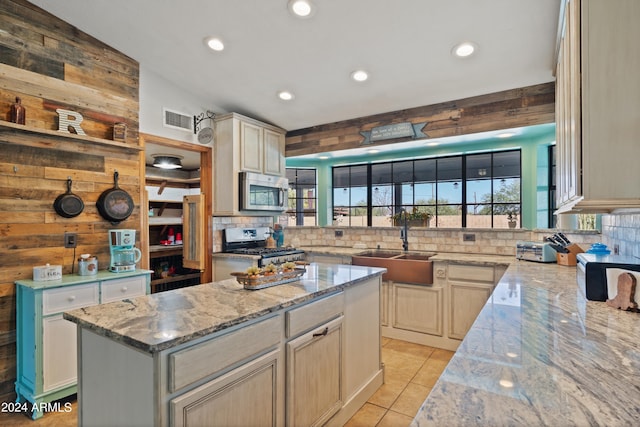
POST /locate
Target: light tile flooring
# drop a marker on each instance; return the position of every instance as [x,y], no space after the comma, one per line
[410,372]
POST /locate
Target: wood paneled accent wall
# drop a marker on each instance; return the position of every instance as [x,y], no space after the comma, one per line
[526,106]
[50,64]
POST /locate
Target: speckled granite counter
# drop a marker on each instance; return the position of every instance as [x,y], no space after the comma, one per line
[160,321]
[539,353]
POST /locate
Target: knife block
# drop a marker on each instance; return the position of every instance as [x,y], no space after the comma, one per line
[570,258]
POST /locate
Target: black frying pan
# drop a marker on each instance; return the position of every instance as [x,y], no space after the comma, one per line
[68,205]
[115,205]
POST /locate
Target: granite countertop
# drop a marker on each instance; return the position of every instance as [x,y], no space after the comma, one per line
[539,353]
[76,279]
[163,320]
[455,257]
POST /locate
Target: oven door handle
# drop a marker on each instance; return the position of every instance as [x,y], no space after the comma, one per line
[282,197]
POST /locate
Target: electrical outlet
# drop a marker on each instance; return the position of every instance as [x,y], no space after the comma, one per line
[70,240]
[468,237]
[339,233]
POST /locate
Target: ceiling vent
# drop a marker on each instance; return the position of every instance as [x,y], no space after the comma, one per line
[177,120]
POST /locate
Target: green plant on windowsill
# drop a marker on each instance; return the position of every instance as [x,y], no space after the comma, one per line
[415,217]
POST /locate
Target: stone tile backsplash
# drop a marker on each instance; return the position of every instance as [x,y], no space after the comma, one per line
[621,230]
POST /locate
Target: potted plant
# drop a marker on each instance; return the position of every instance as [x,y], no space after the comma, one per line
[415,218]
[512,219]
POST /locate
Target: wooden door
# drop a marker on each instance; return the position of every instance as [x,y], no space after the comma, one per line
[194,231]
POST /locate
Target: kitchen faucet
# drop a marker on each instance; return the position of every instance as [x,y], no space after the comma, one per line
[404,235]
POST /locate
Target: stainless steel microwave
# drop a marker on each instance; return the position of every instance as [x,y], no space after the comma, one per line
[260,192]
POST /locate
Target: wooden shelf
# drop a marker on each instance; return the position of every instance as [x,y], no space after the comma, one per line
[8,126]
[157,251]
[166,220]
[174,278]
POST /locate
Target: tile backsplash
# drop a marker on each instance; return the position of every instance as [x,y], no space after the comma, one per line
[618,230]
[623,231]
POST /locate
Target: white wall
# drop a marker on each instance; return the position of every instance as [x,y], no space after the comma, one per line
[156,93]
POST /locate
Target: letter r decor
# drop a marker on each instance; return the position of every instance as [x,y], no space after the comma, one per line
[69,119]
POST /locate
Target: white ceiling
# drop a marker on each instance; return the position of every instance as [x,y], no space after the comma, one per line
[405,45]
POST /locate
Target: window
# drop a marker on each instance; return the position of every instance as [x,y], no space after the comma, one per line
[302,207]
[477,191]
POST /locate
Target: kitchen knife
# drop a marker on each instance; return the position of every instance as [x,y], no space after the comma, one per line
[559,239]
[563,237]
[555,240]
[556,246]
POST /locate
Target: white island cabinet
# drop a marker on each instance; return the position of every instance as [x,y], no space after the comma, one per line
[301,353]
[46,343]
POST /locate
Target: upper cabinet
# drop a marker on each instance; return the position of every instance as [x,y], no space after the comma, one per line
[243,144]
[597,103]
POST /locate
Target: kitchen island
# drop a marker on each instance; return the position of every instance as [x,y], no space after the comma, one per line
[220,353]
[539,353]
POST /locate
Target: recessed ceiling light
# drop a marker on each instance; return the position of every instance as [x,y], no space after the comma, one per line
[373,151]
[323,157]
[167,161]
[285,95]
[464,50]
[214,43]
[432,144]
[359,75]
[301,8]
[505,135]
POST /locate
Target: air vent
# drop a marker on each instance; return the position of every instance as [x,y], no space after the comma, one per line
[176,120]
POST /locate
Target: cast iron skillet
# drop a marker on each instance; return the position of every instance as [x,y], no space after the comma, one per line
[68,205]
[115,205]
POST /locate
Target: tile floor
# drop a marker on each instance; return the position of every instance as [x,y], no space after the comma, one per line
[410,372]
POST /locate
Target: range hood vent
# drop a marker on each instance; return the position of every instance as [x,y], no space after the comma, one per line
[176,120]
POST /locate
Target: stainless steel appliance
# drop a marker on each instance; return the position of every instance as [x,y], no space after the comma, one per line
[591,272]
[247,247]
[124,254]
[263,192]
[535,251]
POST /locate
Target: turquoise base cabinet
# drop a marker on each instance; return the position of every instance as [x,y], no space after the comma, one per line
[46,343]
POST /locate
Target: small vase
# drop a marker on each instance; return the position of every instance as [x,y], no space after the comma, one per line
[17,113]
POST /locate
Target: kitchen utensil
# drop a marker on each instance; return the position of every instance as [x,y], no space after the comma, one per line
[68,205]
[563,237]
[115,205]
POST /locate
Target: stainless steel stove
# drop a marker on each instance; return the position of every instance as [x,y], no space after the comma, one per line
[253,241]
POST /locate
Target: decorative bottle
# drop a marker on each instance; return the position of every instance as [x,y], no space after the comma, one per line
[17,114]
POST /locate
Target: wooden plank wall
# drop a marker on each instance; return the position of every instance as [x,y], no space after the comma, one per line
[50,64]
[527,106]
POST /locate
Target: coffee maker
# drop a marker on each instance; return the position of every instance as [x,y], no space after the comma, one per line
[124,254]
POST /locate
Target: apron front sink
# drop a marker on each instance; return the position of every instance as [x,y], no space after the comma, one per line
[402,267]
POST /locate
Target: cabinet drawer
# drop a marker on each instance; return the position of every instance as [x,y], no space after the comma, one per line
[68,298]
[306,317]
[474,273]
[191,364]
[116,290]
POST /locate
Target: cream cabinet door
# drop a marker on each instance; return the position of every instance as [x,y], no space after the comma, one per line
[247,396]
[274,162]
[250,147]
[466,302]
[314,375]
[418,308]
[384,303]
[59,352]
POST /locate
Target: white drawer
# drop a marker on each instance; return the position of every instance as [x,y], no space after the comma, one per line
[217,354]
[119,289]
[58,300]
[313,314]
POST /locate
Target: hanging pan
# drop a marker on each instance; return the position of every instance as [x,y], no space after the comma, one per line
[115,205]
[68,205]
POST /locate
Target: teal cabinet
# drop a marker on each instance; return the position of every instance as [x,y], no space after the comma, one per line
[46,343]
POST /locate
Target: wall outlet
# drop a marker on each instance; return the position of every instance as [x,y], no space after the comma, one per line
[468,237]
[70,240]
[339,233]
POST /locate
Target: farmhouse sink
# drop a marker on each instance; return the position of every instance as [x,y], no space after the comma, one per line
[402,267]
